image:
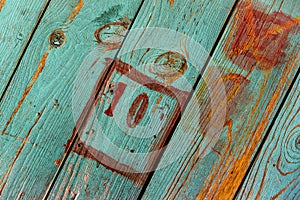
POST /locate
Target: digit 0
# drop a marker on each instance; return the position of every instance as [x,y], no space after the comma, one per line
[137,110]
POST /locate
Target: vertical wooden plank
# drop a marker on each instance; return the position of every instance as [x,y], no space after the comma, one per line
[258,57]
[130,114]
[17,22]
[275,173]
[36,111]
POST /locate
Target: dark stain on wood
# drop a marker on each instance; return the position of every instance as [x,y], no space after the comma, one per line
[109,15]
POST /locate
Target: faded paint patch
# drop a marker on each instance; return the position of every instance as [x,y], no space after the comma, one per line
[259,39]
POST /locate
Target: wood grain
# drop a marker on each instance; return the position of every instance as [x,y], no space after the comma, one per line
[275,173]
[254,85]
[36,111]
[136,106]
[18,20]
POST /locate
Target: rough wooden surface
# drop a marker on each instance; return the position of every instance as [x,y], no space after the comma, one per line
[275,173]
[104,171]
[36,111]
[256,72]
[75,123]
[17,22]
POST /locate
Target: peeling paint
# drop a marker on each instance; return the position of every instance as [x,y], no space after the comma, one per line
[2,2]
[27,89]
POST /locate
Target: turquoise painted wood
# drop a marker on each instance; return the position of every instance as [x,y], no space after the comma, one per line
[17,21]
[117,147]
[255,74]
[275,174]
[36,111]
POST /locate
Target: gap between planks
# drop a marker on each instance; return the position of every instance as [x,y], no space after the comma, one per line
[23,51]
[269,129]
[75,136]
[189,97]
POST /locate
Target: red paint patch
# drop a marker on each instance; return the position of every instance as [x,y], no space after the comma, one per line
[259,39]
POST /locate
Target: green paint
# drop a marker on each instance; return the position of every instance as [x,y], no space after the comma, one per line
[32,169]
[17,21]
[87,178]
[278,161]
[192,172]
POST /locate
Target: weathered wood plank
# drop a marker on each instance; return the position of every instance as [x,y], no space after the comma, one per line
[130,113]
[258,57]
[36,111]
[17,22]
[275,173]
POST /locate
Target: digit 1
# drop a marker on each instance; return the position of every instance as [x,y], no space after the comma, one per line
[119,92]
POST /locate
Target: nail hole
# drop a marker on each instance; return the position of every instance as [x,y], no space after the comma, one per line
[57,38]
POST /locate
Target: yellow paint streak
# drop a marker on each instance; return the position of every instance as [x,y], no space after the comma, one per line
[27,89]
[76,10]
[2,2]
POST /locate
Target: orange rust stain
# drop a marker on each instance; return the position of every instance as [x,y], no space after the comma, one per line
[20,149]
[237,82]
[171,2]
[250,43]
[76,10]
[226,188]
[2,2]
[57,162]
[27,89]
[156,104]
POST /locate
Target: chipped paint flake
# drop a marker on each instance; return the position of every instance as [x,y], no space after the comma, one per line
[2,2]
